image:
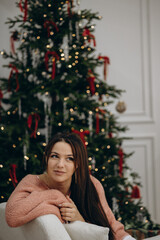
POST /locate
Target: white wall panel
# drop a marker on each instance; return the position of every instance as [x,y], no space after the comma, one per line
[142,162]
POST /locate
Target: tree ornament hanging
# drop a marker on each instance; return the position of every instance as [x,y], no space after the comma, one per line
[12,173]
[47,25]
[13,69]
[91,80]
[135,192]
[29,123]
[102,112]
[87,33]
[82,135]
[13,37]
[121,157]
[1,96]
[121,107]
[106,62]
[24,9]
[55,56]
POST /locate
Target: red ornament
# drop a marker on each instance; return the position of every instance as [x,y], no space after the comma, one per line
[90,36]
[12,173]
[55,56]
[29,123]
[47,24]
[14,69]
[106,62]
[135,192]
[25,10]
[82,135]
[121,156]
[91,79]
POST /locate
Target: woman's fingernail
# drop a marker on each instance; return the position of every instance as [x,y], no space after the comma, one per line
[59,205]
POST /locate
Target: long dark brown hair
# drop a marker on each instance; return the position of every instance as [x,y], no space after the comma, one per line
[83,191]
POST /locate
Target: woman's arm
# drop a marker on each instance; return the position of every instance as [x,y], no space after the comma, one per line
[28,202]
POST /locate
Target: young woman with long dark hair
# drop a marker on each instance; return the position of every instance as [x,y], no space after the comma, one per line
[65,189]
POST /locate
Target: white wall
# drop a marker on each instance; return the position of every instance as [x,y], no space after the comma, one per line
[129,34]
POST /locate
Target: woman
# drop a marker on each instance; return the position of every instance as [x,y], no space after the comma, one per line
[66,189]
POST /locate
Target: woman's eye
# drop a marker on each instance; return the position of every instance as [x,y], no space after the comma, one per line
[54,156]
[70,159]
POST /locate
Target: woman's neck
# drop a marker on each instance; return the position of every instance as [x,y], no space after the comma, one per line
[63,187]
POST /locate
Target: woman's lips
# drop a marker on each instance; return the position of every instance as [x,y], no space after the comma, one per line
[57,172]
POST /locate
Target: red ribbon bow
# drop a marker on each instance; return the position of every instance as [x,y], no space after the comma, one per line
[106,62]
[47,24]
[29,123]
[55,56]
[103,112]
[135,192]
[91,79]
[12,173]
[25,10]
[90,36]
[14,69]
[82,135]
[69,6]
[121,156]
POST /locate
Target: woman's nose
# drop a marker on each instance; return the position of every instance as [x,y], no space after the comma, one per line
[60,162]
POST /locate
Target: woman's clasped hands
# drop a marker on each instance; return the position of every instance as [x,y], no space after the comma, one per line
[69,211]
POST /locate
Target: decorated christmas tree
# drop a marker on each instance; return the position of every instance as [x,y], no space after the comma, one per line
[53,86]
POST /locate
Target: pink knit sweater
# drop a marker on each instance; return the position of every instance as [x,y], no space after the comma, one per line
[31,199]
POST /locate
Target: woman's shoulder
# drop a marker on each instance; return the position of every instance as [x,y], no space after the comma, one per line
[96,182]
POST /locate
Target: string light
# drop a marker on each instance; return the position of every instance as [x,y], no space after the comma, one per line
[108,146]
[102,130]
[59,8]
[71,110]
[119,219]
[2,197]
[126,202]
[27,70]
[73,35]
[74,45]
[49,5]
[1,166]
[2,128]
[90,112]
[59,124]
[70,66]
[76,53]
[89,49]
[38,133]
[90,159]
[44,15]
[31,20]
[44,144]
[38,37]
[61,19]
[42,87]
[72,119]
[25,157]
[82,47]
[81,130]
[97,149]
[51,33]
[14,145]
[76,61]
[96,169]
[2,52]
[35,156]
[73,64]
[103,167]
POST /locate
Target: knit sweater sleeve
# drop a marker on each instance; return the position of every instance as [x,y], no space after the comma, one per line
[118,228]
[28,201]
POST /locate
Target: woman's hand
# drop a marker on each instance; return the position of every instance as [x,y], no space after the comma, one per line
[69,211]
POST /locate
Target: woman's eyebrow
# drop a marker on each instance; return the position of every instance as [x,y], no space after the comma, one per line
[66,155]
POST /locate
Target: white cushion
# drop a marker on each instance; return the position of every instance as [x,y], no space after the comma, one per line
[81,231]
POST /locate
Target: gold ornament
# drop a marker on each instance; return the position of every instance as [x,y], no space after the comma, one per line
[121,107]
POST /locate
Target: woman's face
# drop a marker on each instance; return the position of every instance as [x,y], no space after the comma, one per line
[61,166]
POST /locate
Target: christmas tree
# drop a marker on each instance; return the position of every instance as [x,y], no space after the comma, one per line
[52,86]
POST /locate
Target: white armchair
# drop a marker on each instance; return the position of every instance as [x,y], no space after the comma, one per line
[49,227]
